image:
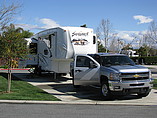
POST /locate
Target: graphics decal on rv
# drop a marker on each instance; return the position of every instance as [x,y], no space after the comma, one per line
[80,38]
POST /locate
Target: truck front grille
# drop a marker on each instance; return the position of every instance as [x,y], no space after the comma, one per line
[134,76]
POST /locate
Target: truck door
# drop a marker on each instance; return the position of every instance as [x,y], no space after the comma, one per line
[86,70]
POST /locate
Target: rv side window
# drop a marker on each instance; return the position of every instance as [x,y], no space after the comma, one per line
[33,48]
[94,40]
[46,52]
[50,40]
[47,42]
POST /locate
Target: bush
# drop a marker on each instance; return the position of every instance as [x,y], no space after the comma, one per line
[4,66]
[145,60]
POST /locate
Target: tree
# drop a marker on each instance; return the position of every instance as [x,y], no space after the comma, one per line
[149,41]
[143,51]
[116,44]
[147,51]
[101,47]
[103,32]
[26,34]
[152,32]
[7,12]
[13,47]
[127,47]
[153,52]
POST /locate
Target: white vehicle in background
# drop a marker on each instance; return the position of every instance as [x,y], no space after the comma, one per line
[130,53]
[54,49]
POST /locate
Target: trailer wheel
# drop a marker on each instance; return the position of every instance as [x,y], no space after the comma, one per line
[37,70]
[105,91]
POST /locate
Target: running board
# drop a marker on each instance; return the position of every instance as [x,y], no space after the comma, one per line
[94,86]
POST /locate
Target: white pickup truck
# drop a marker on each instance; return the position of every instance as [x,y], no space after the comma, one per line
[114,73]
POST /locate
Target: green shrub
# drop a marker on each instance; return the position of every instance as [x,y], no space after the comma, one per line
[145,60]
[5,66]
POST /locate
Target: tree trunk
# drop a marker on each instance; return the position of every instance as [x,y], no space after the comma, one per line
[9,76]
[9,80]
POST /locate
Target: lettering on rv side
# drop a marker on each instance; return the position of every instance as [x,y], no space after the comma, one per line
[79,34]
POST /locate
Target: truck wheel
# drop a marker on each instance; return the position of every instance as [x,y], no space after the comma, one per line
[105,91]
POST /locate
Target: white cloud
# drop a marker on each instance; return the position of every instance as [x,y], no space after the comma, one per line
[127,35]
[124,35]
[142,19]
[19,18]
[132,37]
[28,26]
[48,23]
[45,23]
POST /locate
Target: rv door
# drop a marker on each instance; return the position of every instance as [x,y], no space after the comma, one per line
[54,44]
[86,70]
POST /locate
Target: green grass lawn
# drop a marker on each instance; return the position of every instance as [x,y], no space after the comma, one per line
[155,84]
[21,90]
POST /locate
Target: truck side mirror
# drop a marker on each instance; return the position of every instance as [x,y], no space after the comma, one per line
[92,64]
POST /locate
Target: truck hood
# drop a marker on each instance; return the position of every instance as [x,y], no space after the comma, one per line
[129,68]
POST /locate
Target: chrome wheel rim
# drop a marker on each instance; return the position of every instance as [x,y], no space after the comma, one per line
[104,90]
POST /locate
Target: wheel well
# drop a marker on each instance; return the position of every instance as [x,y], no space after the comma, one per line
[103,78]
[72,73]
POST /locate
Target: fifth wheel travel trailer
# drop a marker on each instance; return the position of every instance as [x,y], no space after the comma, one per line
[54,49]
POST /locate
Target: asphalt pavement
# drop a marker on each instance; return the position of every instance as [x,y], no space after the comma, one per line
[62,88]
[75,111]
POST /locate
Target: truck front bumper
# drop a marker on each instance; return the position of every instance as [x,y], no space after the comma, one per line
[131,86]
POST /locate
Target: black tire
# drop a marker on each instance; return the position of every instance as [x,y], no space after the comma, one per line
[37,70]
[105,91]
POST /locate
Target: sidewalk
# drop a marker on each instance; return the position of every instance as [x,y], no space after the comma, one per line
[150,100]
[151,66]
[62,88]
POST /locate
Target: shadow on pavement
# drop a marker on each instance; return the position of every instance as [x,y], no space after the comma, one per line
[87,92]
[47,77]
[66,88]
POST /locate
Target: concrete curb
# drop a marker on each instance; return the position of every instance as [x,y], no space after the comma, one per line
[15,69]
[74,103]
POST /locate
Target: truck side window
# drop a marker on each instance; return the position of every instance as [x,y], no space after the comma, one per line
[82,61]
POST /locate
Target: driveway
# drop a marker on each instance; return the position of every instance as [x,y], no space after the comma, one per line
[62,88]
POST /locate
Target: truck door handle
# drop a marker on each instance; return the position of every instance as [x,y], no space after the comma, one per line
[78,70]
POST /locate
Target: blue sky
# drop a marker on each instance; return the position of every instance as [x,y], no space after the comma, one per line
[126,16]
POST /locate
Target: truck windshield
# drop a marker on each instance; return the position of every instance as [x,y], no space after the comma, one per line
[116,60]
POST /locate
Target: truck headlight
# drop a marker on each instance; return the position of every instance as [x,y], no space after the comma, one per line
[114,76]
